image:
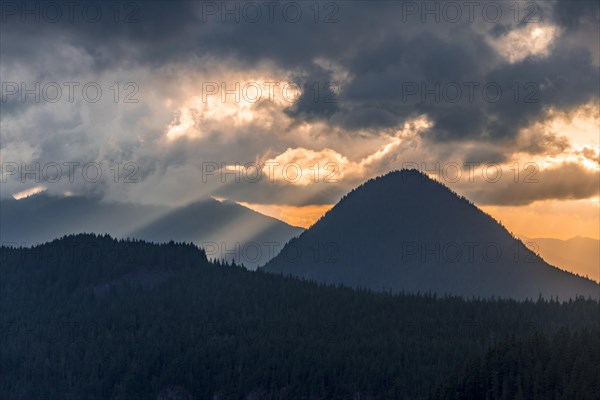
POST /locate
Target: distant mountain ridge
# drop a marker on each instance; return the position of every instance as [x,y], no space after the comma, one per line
[406,232]
[578,254]
[226,230]
[41,218]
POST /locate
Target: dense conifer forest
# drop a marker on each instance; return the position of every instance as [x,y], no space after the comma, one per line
[90,317]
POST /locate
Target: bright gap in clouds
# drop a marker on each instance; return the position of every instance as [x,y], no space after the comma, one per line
[565,136]
[235,102]
[29,192]
[301,166]
[532,40]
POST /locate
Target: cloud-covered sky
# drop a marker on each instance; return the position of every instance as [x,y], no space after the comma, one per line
[285,106]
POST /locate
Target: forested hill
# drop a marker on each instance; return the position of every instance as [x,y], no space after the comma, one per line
[90,317]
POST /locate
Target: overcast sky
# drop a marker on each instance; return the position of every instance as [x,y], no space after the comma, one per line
[286,106]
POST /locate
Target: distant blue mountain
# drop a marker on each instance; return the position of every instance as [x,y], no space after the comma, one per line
[41,218]
[226,230]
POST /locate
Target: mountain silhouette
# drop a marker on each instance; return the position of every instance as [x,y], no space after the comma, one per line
[226,230]
[406,232]
[40,218]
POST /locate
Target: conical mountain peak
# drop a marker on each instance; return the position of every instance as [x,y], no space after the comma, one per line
[404,231]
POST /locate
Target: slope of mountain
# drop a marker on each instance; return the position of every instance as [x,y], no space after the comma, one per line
[579,255]
[406,232]
[41,218]
[224,229]
[136,320]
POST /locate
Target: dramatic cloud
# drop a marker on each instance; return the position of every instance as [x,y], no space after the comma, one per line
[346,91]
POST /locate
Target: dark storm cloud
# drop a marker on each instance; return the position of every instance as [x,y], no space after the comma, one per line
[388,58]
[403,76]
[383,53]
[319,96]
[555,81]
[165,31]
[574,13]
[397,74]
